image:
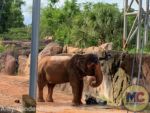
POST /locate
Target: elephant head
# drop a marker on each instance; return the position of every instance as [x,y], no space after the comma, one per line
[94,69]
[88,64]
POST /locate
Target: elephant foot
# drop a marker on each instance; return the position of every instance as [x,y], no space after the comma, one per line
[41,100]
[49,100]
[77,103]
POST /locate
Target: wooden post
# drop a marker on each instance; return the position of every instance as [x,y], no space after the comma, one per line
[29,104]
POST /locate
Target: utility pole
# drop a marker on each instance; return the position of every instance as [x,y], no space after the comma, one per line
[34,48]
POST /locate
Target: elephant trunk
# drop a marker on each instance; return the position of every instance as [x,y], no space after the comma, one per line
[96,80]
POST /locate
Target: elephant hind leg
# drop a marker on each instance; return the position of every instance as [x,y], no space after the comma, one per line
[41,84]
[50,92]
[40,92]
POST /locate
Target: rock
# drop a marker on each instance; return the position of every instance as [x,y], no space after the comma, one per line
[27,66]
[23,47]
[95,50]
[119,83]
[72,50]
[17,101]
[22,61]
[10,65]
[28,104]
[107,46]
[2,62]
[146,72]
[92,49]
[127,65]
[51,49]
[88,90]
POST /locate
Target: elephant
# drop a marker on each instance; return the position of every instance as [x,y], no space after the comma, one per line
[54,70]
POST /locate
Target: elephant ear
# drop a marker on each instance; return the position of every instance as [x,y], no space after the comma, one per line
[91,58]
[83,60]
[77,63]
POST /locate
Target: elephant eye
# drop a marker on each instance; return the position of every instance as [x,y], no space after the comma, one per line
[102,64]
[91,66]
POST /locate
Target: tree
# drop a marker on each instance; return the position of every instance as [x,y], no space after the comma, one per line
[16,18]
[57,22]
[83,33]
[98,23]
[10,14]
[83,25]
[4,12]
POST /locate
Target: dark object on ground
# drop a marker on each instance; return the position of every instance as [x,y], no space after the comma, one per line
[90,100]
[17,101]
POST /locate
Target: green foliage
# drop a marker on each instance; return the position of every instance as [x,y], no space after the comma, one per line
[82,25]
[57,22]
[2,48]
[17,34]
[10,14]
[109,21]
[16,18]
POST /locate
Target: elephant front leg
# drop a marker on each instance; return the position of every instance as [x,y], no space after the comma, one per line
[77,89]
[81,91]
[50,92]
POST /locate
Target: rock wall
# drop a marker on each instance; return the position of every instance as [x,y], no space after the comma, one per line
[117,76]
[23,47]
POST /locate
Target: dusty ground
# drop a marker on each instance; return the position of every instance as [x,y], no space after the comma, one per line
[13,87]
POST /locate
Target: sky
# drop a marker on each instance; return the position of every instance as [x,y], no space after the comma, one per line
[27,8]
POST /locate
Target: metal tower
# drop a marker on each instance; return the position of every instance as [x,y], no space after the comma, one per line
[141,22]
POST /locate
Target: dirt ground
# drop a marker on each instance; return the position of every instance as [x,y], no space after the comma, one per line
[13,87]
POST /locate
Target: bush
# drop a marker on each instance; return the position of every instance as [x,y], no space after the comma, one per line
[17,34]
[2,48]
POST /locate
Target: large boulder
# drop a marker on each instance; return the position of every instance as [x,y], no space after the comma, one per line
[10,65]
[26,70]
[72,50]
[51,49]
[22,62]
[107,46]
[2,62]
[120,71]
[146,72]
[120,82]
[93,49]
